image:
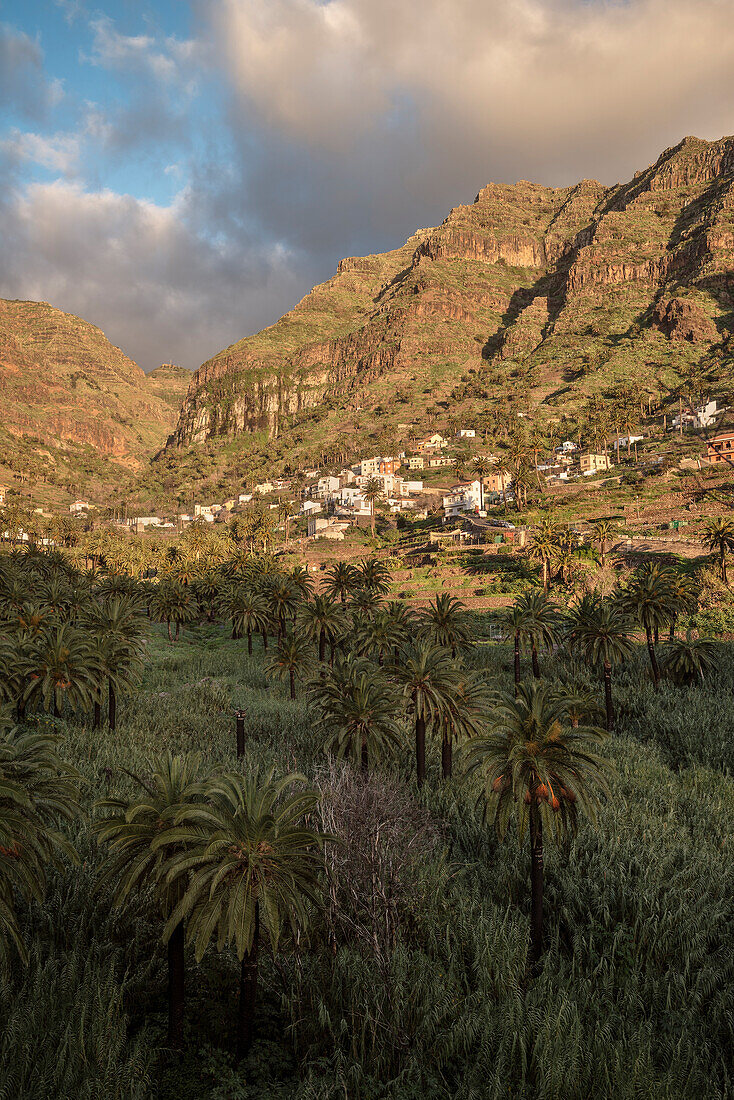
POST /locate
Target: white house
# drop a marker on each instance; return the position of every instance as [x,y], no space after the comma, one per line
[309,507]
[78,506]
[567,447]
[628,440]
[323,528]
[434,442]
[463,498]
[244,498]
[466,433]
[702,417]
[265,487]
[327,485]
[412,487]
[369,467]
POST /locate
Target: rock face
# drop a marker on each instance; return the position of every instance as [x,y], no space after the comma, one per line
[62,381]
[545,279]
[682,320]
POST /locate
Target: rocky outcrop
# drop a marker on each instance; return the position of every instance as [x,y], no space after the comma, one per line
[462,244]
[683,320]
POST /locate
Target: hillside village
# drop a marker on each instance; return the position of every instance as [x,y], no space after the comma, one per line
[447,480]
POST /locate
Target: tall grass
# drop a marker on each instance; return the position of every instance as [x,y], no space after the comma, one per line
[413,984]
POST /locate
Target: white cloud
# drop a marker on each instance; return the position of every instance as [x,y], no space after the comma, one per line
[167,62]
[147,274]
[57,152]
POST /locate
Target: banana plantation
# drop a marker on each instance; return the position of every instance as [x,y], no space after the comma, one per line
[276,838]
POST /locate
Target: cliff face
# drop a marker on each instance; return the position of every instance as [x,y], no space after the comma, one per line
[529,278]
[62,381]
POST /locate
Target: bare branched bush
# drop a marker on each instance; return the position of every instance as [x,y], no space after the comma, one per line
[384,837]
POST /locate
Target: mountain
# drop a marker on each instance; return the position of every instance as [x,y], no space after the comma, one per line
[547,294]
[63,384]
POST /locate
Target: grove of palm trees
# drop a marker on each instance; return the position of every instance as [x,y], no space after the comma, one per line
[450,855]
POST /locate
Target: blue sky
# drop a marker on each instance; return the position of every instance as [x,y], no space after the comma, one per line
[181,173]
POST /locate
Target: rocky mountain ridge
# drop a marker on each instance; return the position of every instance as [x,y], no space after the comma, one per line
[63,382]
[601,284]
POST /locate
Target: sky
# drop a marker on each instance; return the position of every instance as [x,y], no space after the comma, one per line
[182,172]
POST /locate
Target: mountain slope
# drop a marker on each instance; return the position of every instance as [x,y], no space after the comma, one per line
[551,293]
[63,383]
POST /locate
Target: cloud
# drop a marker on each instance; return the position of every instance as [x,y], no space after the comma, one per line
[166,62]
[146,274]
[305,130]
[57,152]
[549,87]
[24,88]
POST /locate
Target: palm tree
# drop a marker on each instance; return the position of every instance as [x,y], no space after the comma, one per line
[342,580]
[464,717]
[480,468]
[445,622]
[512,621]
[291,658]
[541,621]
[117,627]
[601,632]
[247,610]
[685,592]
[543,547]
[358,711]
[689,661]
[649,599]
[372,492]
[322,621]
[283,597]
[601,532]
[374,575]
[172,603]
[38,791]
[248,865]
[535,767]
[719,534]
[134,864]
[58,665]
[431,685]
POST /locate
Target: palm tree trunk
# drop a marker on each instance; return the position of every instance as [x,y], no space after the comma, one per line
[673,622]
[292,678]
[536,885]
[112,705]
[265,640]
[248,992]
[420,749]
[249,643]
[97,715]
[168,625]
[176,986]
[653,658]
[536,664]
[57,709]
[364,763]
[446,757]
[517,662]
[608,695]
[322,646]
[723,566]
